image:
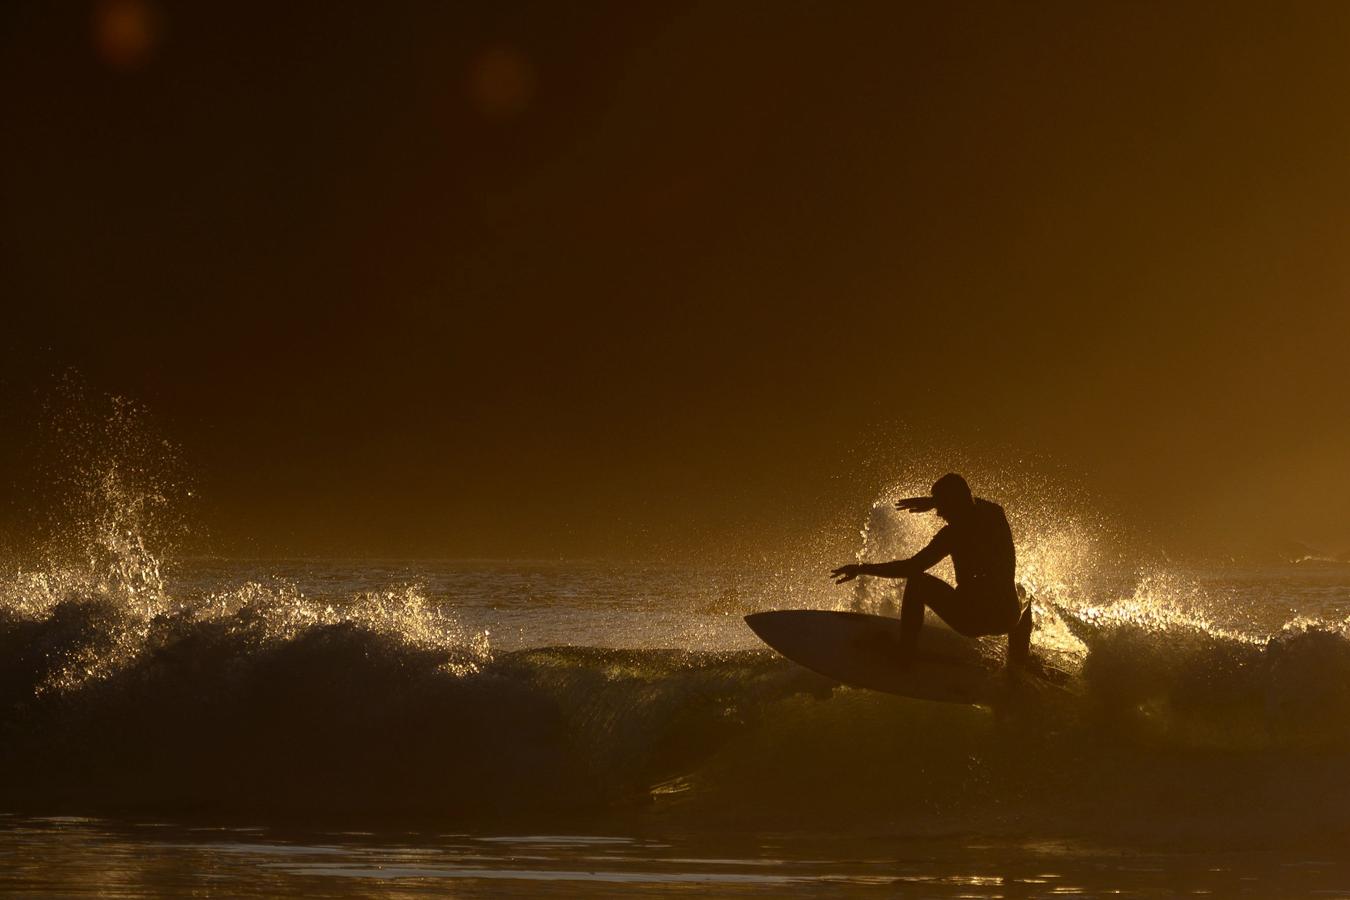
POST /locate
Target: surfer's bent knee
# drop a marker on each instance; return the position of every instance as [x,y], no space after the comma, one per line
[924,580]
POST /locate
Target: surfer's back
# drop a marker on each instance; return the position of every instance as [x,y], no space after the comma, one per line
[982,547]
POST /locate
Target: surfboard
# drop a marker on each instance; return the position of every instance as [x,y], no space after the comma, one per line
[860,650]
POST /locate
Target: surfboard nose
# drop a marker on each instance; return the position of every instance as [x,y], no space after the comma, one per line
[759,622]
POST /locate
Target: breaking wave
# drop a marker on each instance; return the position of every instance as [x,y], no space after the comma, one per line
[261,702]
[116,695]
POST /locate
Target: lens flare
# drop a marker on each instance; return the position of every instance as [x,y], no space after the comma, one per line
[501,82]
[126,32]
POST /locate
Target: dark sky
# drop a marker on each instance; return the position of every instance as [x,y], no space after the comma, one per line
[576,278]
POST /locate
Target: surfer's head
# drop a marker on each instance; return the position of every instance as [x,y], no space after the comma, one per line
[952,497]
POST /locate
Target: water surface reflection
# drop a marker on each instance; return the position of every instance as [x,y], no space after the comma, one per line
[82,856]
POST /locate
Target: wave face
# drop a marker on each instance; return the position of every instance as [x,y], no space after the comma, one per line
[270,703]
[261,702]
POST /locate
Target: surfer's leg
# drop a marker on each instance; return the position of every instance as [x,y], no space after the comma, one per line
[922,590]
[971,613]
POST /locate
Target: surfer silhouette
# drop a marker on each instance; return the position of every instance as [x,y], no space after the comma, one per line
[985,600]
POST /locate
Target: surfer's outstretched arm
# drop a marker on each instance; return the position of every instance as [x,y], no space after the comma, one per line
[922,561]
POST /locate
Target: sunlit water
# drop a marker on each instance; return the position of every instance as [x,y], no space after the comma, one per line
[637,605]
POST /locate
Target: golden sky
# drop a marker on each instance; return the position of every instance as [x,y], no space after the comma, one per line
[542,278]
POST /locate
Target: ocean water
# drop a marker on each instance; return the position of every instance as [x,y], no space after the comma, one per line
[587,728]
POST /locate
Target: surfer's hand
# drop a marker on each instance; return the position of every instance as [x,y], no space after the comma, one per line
[916,504]
[846,573]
